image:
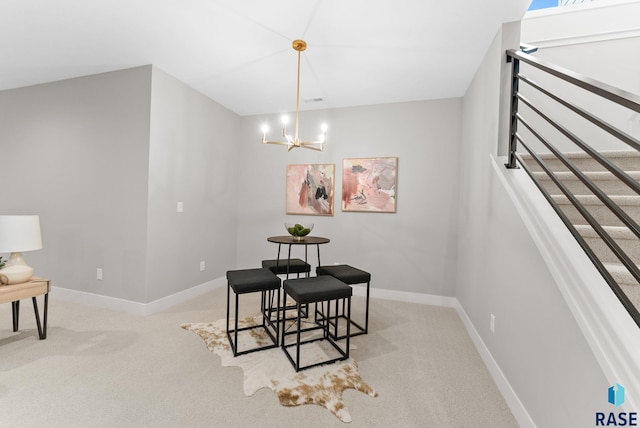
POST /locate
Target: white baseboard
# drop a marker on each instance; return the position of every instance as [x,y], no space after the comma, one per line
[515,405]
[136,308]
[405,296]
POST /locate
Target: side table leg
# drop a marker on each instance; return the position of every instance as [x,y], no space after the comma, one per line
[42,335]
[15,310]
[46,311]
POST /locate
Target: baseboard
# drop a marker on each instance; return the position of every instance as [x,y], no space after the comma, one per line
[136,308]
[405,296]
[515,405]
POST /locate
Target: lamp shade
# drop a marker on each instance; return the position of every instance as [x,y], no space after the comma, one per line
[19,233]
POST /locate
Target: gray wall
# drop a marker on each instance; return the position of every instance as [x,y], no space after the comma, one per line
[104,160]
[412,250]
[192,159]
[125,147]
[76,153]
[537,343]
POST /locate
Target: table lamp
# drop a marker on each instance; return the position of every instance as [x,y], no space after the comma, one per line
[19,233]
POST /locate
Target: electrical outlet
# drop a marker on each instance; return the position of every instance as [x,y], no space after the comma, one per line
[202,266]
[99,273]
[492,323]
[180,207]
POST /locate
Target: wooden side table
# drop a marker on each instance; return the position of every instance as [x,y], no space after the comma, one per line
[15,292]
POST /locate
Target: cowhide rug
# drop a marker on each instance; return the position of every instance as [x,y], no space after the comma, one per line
[321,385]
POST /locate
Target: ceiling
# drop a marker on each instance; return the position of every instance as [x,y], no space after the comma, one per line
[238,52]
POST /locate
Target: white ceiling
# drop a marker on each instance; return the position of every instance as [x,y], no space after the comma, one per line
[238,52]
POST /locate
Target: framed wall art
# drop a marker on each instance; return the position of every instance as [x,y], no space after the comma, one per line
[369,184]
[310,189]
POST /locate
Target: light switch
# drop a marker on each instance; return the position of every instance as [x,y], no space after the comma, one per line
[180,207]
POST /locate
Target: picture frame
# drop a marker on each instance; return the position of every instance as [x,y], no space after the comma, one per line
[310,189]
[370,184]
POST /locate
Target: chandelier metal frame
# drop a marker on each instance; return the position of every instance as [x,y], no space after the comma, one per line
[293,142]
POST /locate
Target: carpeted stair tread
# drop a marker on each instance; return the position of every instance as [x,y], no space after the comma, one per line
[603,215]
[587,200]
[621,274]
[616,232]
[626,281]
[628,160]
[583,155]
[604,180]
[592,175]
[625,238]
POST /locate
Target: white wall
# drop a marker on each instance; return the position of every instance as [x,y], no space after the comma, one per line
[412,250]
[192,159]
[537,343]
[596,41]
[75,152]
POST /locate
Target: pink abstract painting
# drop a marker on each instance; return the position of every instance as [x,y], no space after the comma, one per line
[369,184]
[310,189]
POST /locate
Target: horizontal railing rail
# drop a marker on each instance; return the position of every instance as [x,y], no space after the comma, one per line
[606,92]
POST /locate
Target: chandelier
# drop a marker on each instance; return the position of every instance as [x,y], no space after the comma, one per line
[291,142]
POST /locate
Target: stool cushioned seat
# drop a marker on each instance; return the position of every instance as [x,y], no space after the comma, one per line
[279,267]
[345,273]
[316,289]
[252,280]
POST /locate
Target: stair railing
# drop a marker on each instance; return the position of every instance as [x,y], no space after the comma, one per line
[621,98]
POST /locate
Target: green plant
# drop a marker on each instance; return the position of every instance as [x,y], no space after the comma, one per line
[298,230]
[2,263]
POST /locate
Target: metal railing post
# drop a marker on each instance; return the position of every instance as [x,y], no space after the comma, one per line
[513,126]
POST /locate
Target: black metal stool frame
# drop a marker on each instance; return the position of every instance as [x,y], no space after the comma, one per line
[360,328]
[334,321]
[267,322]
[280,269]
[344,354]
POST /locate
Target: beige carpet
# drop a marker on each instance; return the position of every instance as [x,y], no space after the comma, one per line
[100,368]
[322,385]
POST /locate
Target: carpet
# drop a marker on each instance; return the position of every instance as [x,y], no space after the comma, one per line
[321,385]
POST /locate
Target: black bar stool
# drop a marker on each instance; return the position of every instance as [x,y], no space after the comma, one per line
[349,275]
[286,267]
[252,281]
[316,290]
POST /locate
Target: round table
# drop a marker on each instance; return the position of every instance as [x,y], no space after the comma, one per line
[290,241]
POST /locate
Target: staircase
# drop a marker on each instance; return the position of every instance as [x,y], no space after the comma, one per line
[621,194]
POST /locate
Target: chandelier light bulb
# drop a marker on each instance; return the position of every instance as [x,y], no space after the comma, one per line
[265,128]
[324,127]
[284,119]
